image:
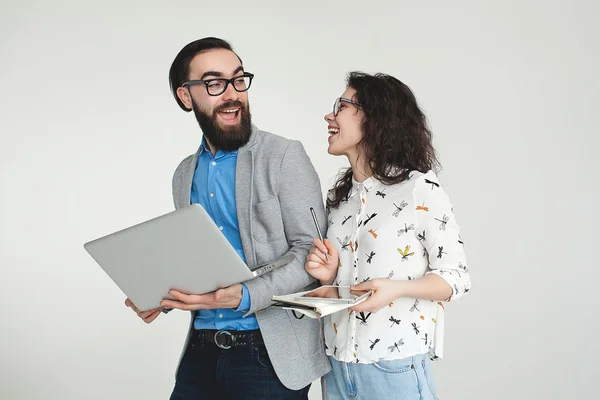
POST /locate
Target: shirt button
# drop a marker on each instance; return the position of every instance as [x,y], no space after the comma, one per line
[220,315]
[214,163]
[221,228]
[212,195]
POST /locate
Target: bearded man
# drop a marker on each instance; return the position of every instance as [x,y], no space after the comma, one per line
[258,189]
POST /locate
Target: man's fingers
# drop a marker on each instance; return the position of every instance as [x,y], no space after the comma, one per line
[130,304]
[145,314]
[179,305]
[151,317]
[192,298]
[224,293]
[178,295]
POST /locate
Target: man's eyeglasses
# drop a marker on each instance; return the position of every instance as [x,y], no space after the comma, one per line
[338,104]
[217,86]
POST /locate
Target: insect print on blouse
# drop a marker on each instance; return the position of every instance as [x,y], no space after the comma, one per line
[381,193]
[460,240]
[330,220]
[415,306]
[391,274]
[396,346]
[406,253]
[373,343]
[399,208]
[346,219]
[370,257]
[461,266]
[362,317]
[410,227]
[366,221]
[354,246]
[422,207]
[443,222]
[372,232]
[432,183]
[345,243]
[394,321]
[366,279]
[421,236]
[441,251]
[425,339]
[415,327]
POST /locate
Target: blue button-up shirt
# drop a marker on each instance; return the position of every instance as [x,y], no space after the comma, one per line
[213,187]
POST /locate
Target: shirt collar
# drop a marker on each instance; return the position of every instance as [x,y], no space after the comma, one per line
[368,184]
[203,146]
[220,153]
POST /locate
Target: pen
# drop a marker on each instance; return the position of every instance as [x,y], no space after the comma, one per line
[312,211]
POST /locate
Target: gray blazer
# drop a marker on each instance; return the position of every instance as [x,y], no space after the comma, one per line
[276,185]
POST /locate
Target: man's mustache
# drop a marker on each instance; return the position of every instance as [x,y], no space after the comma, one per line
[230,104]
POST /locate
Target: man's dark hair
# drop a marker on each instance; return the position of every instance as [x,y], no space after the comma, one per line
[180,68]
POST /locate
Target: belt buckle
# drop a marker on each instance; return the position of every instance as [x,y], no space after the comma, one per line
[223,346]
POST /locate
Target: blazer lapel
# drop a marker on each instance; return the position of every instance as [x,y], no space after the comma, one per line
[244,174]
[185,187]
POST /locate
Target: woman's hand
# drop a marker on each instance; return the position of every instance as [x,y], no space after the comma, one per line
[385,291]
[317,264]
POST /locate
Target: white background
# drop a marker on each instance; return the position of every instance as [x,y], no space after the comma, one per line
[90,137]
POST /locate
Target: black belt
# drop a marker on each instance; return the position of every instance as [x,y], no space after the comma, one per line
[226,339]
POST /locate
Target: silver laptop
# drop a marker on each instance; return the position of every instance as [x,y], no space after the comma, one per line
[181,250]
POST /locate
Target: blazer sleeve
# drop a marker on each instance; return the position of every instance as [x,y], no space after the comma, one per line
[299,190]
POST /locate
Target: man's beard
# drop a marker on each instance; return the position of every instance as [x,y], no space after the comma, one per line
[226,138]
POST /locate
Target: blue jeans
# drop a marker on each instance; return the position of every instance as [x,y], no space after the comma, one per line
[406,379]
[239,373]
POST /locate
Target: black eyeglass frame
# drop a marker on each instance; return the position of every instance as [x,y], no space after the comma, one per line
[231,81]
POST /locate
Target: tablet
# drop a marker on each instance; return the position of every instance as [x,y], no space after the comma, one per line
[182,250]
[334,294]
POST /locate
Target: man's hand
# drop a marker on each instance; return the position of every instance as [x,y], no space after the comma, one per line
[229,297]
[146,316]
